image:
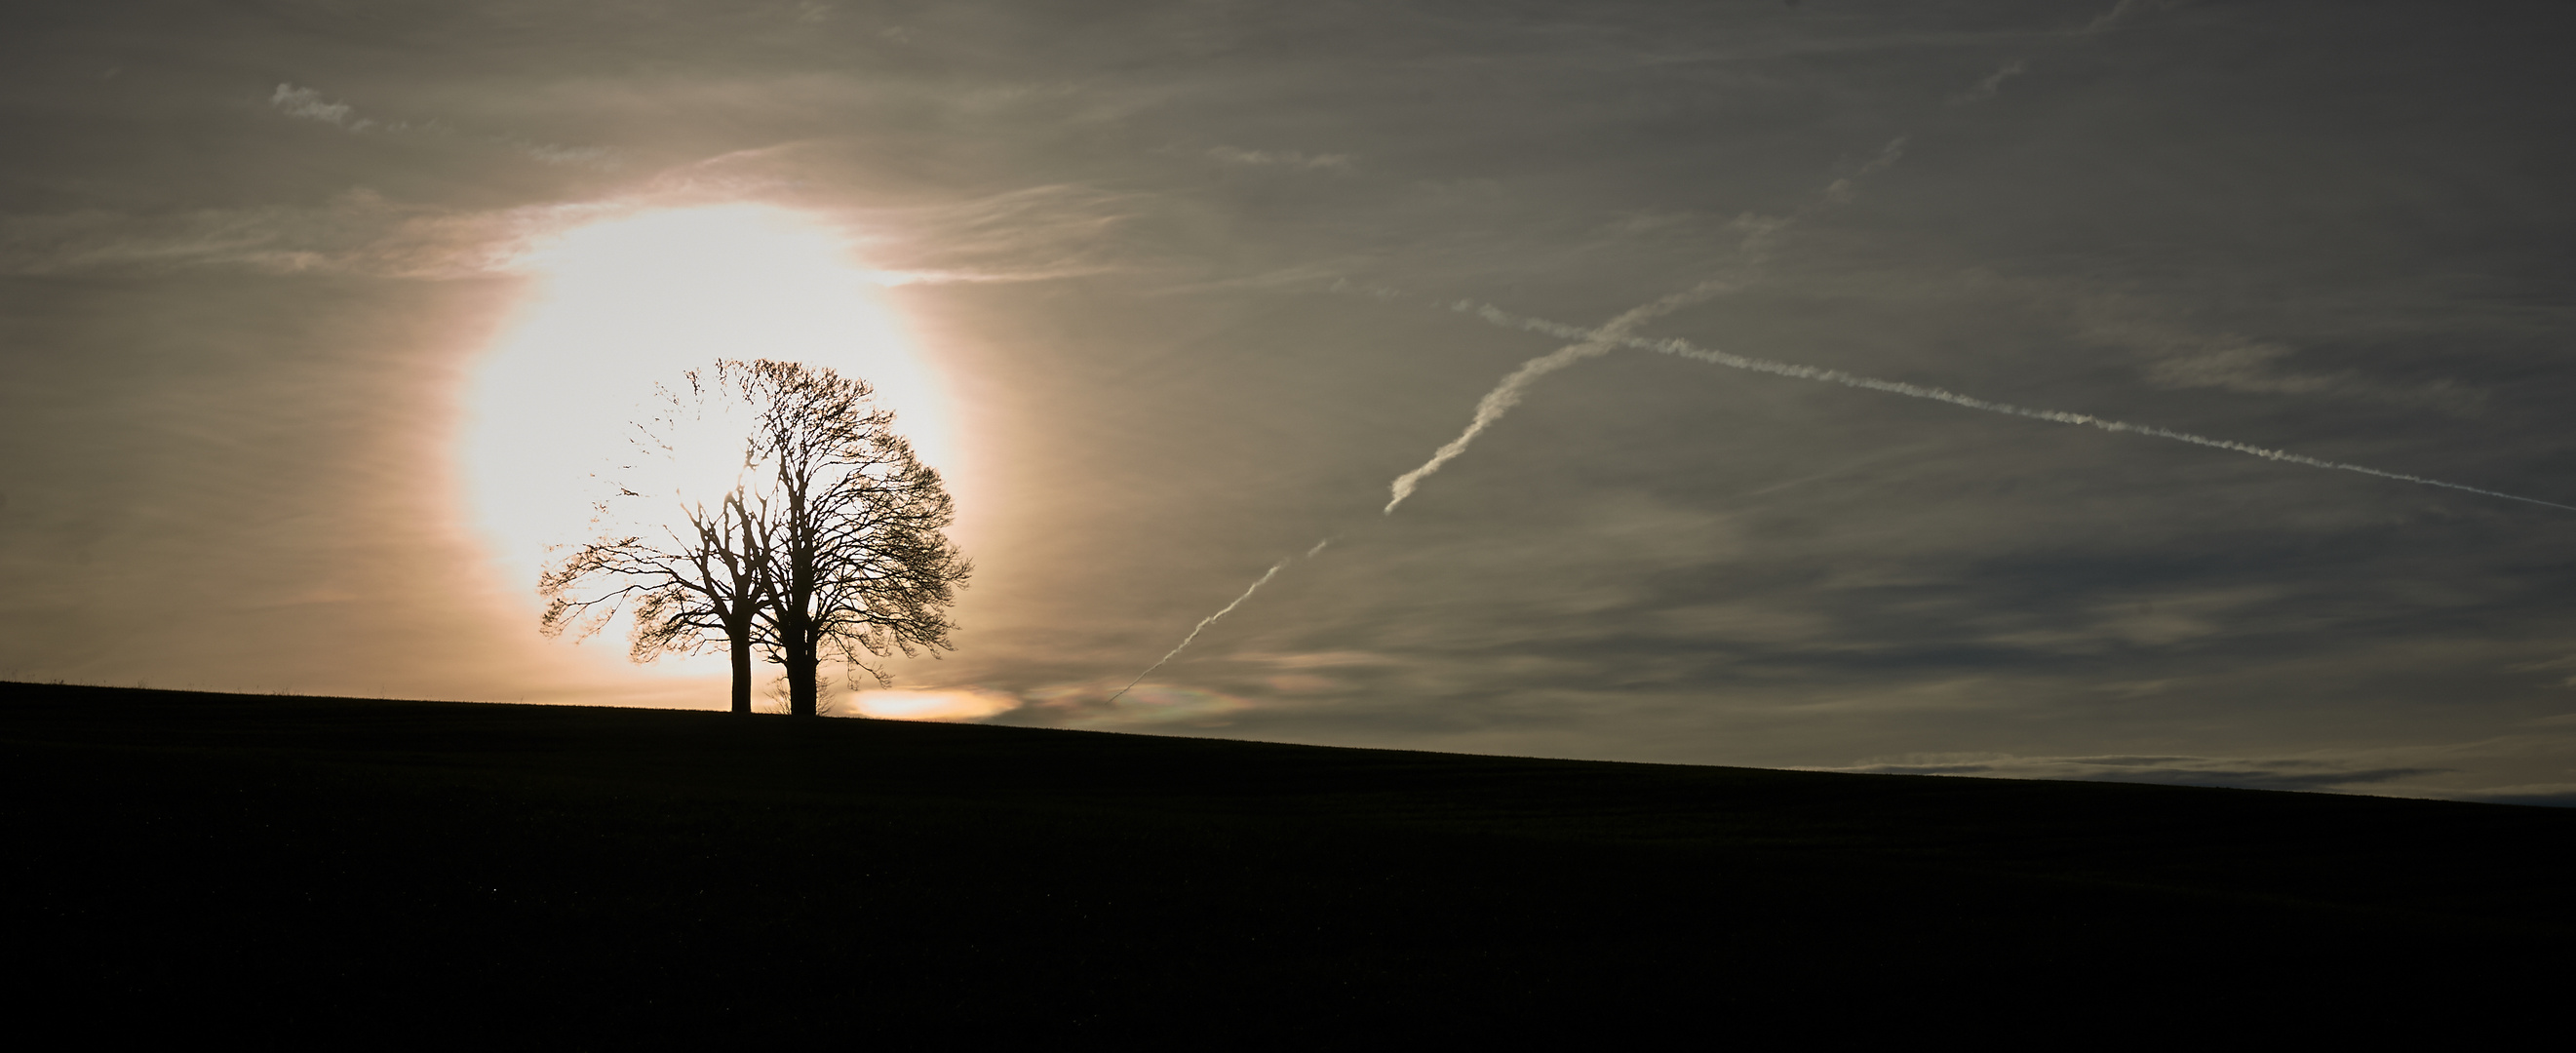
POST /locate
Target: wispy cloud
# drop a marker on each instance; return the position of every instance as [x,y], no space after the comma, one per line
[1027,234]
[2180,356]
[308,104]
[559,154]
[2568,662]
[2119,12]
[1317,659]
[2239,772]
[356,233]
[2546,794]
[1839,191]
[1992,85]
[1232,155]
[1148,705]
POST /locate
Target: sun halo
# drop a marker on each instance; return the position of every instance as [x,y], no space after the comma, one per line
[623,305]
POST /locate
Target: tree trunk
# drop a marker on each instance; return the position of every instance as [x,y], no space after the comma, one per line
[741,648]
[802,690]
[795,612]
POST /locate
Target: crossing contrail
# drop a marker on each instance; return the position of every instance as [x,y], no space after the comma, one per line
[1761,235]
[1590,343]
[1684,349]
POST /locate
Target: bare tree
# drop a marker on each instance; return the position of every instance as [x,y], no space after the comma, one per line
[860,565]
[694,570]
[801,523]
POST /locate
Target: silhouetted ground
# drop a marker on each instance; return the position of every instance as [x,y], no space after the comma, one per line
[427,873]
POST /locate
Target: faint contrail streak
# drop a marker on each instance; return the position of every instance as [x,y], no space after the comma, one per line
[1684,349]
[1203,623]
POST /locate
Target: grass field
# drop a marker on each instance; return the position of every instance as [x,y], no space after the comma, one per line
[431,873]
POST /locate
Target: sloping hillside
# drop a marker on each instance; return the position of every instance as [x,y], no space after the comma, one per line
[419,870]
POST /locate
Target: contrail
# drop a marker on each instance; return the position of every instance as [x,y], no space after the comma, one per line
[1203,622]
[1760,233]
[1273,572]
[1684,349]
[1592,343]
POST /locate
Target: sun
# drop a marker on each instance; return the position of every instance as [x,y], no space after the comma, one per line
[624,305]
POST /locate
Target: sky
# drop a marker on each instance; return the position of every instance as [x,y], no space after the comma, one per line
[315,318]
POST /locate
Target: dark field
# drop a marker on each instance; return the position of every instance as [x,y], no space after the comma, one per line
[419,872]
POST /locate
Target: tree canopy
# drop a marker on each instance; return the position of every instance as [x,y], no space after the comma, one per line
[777,510]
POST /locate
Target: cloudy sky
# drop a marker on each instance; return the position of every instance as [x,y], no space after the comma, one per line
[309,311]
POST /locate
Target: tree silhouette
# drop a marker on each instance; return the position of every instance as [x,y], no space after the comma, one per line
[687,551]
[794,519]
[859,564]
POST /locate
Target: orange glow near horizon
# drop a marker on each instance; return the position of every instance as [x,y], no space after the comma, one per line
[960,703]
[629,303]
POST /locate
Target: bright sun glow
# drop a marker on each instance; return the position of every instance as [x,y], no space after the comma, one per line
[964,703]
[634,302]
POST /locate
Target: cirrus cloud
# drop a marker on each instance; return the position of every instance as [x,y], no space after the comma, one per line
[1090,706]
